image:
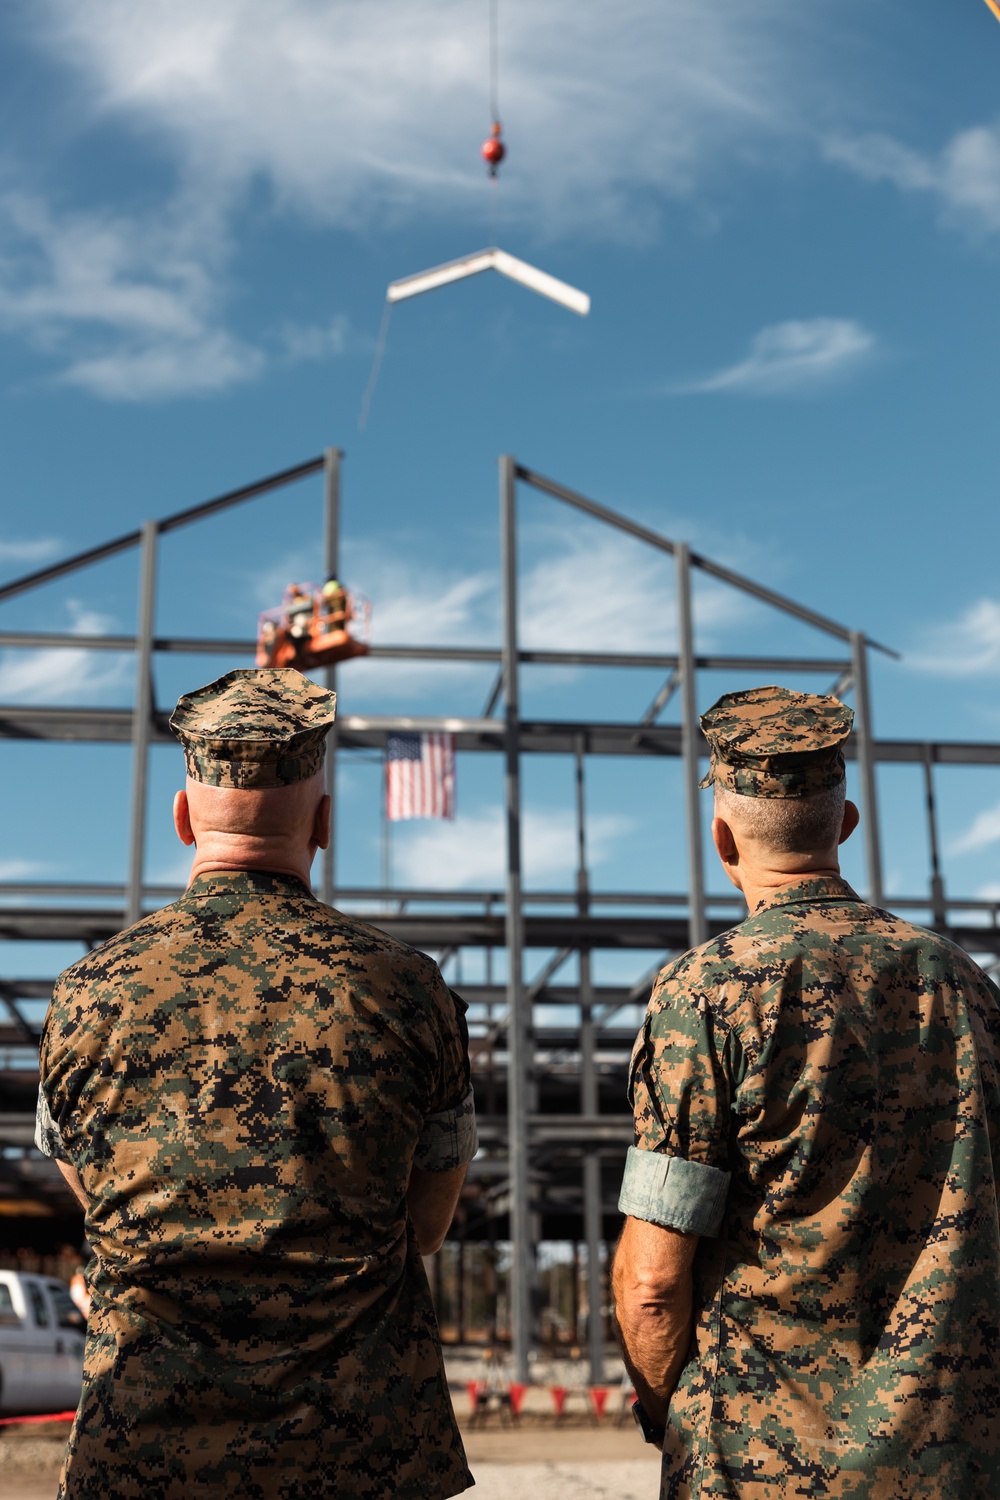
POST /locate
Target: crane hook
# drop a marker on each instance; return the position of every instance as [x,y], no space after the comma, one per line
[493,150]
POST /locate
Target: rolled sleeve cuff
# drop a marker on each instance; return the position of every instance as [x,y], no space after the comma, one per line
[48,1137]
[678,1194]
[449,1138]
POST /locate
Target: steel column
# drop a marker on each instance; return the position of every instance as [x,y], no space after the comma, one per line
[866,766]
[939,907]
[518,1038]
[142,719]
[331,564]
[697,925]
[589,1097]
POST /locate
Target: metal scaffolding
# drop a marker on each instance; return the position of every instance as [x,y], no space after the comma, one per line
[553,1134]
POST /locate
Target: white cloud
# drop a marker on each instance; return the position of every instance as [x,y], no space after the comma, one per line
[130,308]
[28,550]
[470,853]
[353,115]
[791,358]
[963,177]
[22,869]
[176,368]
[350,110]
[315,341]
[966,647]
[65,675]
[134,309]
[585,588]
[983,831]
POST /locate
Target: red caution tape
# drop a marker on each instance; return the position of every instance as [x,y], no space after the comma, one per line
[56,1416]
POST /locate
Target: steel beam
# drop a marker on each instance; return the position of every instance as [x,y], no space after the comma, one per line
[518,1046]
[113,726]
[331,563]
[664,544]
[589,1100]
[864,739]
[939,907]
[168,523]
[142,720]
[690,742]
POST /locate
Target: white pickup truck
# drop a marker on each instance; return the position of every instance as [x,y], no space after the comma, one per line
[42,1334]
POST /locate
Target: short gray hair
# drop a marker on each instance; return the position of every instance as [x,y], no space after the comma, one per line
[786,825]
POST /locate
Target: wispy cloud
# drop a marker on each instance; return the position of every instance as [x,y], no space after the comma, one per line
[471,851]
[963,178]
[793,358]
[69,675]
[22,869]
[316,340]
[134,309]
[557,605]
[354,115]
[966,647]
[982,831]
[28,549]
[129,309]
[352,111]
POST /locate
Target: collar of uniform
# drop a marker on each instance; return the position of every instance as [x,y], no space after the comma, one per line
[244,883]
[810,888]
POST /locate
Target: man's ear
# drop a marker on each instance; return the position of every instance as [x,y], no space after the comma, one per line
[182,819]
[725,844]
[321,823]
[851,820]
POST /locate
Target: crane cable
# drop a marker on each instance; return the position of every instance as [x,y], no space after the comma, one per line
[495,64]
[383,333]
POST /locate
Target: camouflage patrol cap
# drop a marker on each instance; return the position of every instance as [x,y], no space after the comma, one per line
[254,728]
[770,742]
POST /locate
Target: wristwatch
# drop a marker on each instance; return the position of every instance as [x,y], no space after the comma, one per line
[650,1432]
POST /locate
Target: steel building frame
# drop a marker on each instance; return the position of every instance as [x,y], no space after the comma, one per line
[514,919]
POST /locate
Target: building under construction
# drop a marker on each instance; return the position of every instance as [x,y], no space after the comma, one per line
[550,1044]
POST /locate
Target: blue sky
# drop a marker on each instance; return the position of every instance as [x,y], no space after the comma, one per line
[788,218]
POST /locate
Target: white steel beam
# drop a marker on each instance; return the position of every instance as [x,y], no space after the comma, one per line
[491,260]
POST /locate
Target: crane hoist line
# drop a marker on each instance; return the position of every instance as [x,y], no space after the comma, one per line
[493,152]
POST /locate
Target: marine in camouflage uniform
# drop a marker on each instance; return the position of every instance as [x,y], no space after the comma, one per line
[243,1082]
[817,1094]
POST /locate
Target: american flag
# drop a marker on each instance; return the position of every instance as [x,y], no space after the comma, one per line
[420,776]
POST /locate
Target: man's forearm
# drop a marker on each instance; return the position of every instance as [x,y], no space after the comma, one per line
[72,1180]
[655,1341]
[653,1305]
[431,1199]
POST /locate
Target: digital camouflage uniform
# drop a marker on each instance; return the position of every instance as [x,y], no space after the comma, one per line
[243,1082]
[817,1092]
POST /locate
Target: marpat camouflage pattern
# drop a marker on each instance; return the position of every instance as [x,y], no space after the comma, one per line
[845,1067]
[243,1081]
[771,742]
[254,728]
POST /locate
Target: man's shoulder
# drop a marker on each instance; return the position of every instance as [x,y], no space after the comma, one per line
[808,935]
[124,948]
[365,940]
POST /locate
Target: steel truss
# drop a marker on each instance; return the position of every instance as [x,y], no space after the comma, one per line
[552,1094]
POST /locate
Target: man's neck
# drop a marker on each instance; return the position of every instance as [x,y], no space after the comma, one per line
[248,855]
[764,885]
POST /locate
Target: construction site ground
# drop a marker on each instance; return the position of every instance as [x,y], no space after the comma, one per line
[569,1460]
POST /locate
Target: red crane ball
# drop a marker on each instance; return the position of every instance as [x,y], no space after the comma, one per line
[494,150]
